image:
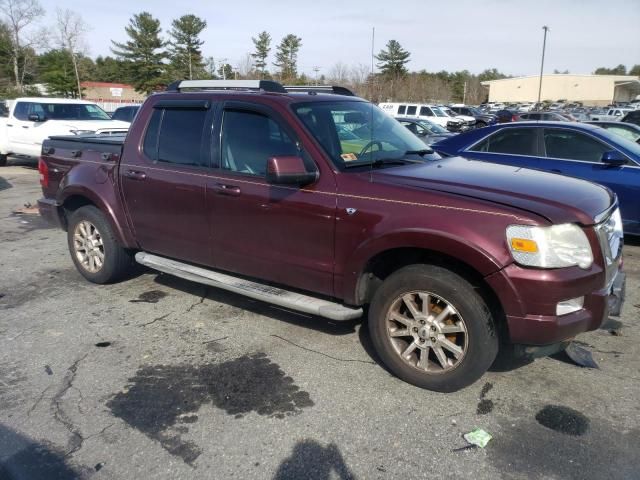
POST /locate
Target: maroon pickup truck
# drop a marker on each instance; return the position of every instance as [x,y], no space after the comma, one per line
[320,202]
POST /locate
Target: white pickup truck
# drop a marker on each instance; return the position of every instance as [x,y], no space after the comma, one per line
[613,115]
[29,121]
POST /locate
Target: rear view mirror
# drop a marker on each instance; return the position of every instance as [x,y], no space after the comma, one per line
[35,117]
[289,170]
[613,158]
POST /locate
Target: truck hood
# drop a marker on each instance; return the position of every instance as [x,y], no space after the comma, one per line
[557,198]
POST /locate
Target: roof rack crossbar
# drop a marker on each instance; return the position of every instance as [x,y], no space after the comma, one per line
[251,85]
[311,89]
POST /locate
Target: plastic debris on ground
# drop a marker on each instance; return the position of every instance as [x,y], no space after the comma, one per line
[581,356]
[478,437]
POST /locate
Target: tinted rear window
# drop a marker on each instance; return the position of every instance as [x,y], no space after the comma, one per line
[515,141]
[176,136]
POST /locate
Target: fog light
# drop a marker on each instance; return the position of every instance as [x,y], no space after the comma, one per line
[569,306]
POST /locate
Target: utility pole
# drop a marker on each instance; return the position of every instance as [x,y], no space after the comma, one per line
[316,69]
[373,55]
[223,61]
[544,46]
[464,93]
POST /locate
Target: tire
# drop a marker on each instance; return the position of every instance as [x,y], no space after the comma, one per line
[111,261]
[3,160]
[480,124]
[468,326]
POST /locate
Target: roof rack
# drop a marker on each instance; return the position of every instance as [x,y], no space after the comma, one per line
[315,89]
[251,85]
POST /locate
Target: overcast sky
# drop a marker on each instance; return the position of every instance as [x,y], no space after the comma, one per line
[440,34]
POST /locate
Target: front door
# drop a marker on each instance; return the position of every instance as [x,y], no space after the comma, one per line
[580,155]
[164,181]
[278,233]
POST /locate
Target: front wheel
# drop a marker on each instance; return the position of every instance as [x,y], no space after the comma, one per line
[432,329]
[94,248]
[480,124]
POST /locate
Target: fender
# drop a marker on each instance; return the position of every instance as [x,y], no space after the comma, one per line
[104,197]
[483,262]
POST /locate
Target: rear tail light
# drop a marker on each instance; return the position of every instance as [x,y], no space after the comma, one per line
[514,118]
[44,172]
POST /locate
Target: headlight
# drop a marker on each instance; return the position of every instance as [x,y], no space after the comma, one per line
[82,132]
[556,246]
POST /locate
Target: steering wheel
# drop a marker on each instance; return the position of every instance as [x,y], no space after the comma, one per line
[369,145]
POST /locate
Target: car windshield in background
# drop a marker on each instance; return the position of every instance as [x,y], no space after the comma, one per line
[359,133]
[438,112]
[623,142]
[432,127]
[69,111]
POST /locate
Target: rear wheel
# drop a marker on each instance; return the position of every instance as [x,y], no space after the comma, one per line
[94,248]
[432,329]
[3,160]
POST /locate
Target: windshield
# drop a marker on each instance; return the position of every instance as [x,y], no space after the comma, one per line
[359,133]
[620,141]
[474,111]
[438,112]
[62,111]
[432,127]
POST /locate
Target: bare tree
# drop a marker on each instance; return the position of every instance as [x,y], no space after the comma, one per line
[71,30]
[20,14]
[245,66]
[339,74]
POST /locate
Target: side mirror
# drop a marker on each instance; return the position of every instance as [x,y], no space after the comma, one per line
[35,117]
[289,170]
[613,158]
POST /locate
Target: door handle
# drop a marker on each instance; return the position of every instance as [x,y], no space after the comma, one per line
[231,190]
[9,124]
[555,170]
[25,126]
[135,175]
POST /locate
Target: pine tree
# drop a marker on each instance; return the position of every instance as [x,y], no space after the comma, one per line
[57,73]
[185,53]
[287,57]
[393,60]
[263,47]
[144,53]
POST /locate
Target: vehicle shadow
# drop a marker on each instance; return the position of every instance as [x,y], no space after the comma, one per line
[4,185]
[320,324]
[309,459]
[634,241]
[21,457]
[31,163]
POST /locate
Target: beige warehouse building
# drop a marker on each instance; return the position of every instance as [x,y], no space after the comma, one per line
[597,90]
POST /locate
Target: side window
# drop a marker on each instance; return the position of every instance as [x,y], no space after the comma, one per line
[249,139]
[425,112]
[402,109]
[120,114]
[514,141]
[181,135]
[411,110]
[570,145]
[21,112]
[150,145]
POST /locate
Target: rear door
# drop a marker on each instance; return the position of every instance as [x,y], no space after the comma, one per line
[510,146]
[164,179]
[21,131]
[579,154]
[279,233]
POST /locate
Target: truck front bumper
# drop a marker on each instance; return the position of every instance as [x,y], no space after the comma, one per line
[50,211]
[530,297]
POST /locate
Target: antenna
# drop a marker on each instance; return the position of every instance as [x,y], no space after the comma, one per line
[373,40]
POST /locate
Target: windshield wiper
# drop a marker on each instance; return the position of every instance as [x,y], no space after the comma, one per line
[421,152]
[382,162]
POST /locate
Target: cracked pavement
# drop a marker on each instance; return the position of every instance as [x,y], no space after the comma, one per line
[159,378]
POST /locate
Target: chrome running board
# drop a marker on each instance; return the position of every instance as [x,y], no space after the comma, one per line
[257,291]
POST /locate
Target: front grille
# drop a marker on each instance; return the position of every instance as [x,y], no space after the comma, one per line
[610,237]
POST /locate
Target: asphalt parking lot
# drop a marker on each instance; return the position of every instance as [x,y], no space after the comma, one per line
[157,377]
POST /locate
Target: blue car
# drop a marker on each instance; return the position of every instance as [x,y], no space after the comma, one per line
[569,148]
